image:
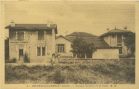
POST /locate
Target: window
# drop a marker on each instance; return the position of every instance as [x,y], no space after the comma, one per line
[20,35]
[40,35]
[119,40]
[20,52]
[49,32]
[43,51]
[113,36]
[60,48]
[120,50]
[12,34]
[38,51]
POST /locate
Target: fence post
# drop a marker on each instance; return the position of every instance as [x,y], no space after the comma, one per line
[91,61]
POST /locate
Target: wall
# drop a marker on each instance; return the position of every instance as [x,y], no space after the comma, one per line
[112,41]
[67,43]
[106,54]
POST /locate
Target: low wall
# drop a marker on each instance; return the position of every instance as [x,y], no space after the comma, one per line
[66,55]
[112,53]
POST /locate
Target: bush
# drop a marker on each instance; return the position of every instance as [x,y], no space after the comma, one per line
[107,72]
[26,58]
[58,77]
[12,60]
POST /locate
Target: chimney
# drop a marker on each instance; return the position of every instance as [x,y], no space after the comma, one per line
[125,28]
[108,29]
[49,23]
[12,24]
[53,25]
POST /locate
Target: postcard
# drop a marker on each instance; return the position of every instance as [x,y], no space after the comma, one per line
[69,44]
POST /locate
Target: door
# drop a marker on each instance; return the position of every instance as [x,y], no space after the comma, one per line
[20,54]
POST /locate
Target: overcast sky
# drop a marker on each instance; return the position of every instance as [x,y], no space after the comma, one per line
[71,17]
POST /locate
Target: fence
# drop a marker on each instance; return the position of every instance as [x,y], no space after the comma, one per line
[76,61]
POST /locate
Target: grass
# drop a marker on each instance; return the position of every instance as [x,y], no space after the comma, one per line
[100,72]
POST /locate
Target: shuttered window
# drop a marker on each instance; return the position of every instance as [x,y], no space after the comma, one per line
[60,48]
[120,50]
[12,35]
[119,40]
[43,51]
[40,35]
[38,51]
[20,35]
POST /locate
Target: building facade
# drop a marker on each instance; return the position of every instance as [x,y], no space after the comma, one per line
[110,45]
[63,46]
[103,50]
[115,38]
[36,41]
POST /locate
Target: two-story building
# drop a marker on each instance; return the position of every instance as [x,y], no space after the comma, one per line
[37,41]
[115,38]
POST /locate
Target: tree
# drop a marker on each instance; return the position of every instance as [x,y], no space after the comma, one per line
[77,46]
[90,49]
[81,48]
[130,42]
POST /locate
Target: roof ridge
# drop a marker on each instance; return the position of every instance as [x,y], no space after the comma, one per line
[82,33]
[115,31]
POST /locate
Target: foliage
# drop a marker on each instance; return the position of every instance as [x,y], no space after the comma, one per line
[81,48]
[130,42]
[58,77]
[108,72]
[26,58]
[12,60]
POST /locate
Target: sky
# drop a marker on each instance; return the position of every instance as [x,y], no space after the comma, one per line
[71,16]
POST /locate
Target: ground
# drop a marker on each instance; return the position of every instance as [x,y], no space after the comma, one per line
[98,72]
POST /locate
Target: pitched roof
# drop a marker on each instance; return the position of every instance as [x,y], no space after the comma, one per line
[33,27]
[60,36]
[89,38]
[116,31]
[82,34]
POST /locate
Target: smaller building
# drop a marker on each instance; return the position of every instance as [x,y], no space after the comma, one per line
[103,50]
[63,46]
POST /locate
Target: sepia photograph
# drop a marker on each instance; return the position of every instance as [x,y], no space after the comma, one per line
[69,42]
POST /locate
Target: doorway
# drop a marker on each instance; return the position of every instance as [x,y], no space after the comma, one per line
[21,53]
